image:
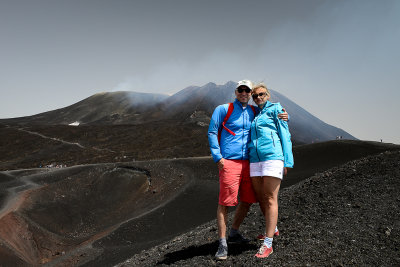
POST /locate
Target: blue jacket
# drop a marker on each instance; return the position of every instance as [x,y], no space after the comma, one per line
[270,136]
[231,147]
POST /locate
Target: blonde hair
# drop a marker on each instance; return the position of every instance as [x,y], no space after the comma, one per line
[261,85]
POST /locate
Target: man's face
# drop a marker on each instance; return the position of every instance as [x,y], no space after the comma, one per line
[243,94]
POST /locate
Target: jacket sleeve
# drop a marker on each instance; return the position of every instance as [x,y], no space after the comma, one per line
[216,124]
[284,135]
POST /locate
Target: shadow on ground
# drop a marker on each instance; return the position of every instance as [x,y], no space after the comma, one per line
[102,214]
[203,250]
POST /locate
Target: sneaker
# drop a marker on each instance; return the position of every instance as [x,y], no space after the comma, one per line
[237,239]
[263,236]
[222,252]
[264,252]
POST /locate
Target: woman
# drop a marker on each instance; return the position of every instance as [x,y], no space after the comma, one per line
[270,154]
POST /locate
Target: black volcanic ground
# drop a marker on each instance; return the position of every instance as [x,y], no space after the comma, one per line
[347,215]
[32,146]
[102,214]
[138,187]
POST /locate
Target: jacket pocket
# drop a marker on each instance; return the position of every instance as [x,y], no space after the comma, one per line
[273,140]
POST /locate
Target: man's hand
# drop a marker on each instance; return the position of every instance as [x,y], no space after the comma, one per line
[283,116]
[285,171]
[220,164]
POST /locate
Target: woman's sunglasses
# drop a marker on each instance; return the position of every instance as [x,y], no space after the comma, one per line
[258,95]
[241,89]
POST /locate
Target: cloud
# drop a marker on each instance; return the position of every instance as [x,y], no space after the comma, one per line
[169,77]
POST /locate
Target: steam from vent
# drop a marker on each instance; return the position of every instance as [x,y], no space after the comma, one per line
[123,86]
[172,76]
[132,94]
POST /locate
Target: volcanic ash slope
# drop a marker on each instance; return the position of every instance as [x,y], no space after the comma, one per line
[348,215]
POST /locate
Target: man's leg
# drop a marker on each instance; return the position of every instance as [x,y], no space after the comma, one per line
[240,214]
[247,195]
[222,252]
[234,235]
[222,212]
[226,198]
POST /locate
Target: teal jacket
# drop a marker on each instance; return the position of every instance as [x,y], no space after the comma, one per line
[270,136]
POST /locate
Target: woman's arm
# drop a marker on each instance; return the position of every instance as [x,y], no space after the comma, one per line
[284,135]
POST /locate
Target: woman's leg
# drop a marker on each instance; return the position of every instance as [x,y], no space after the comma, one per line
[257,183]
[269,200]
[266,189]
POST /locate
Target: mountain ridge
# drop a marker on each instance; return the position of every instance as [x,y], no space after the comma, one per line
[193,104]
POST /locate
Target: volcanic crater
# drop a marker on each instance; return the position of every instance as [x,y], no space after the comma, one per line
[102,214]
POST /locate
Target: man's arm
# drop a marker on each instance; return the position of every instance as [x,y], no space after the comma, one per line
[215,124]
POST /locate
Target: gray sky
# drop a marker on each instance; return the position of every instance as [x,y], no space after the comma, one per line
[338,59]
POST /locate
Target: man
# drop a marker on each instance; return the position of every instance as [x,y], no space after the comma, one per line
[228,143]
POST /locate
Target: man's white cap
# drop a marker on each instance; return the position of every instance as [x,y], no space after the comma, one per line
[247,83]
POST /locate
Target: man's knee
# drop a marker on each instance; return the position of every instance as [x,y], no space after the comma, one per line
[222,209]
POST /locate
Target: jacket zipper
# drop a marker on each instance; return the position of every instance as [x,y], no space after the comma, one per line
[273,140]
[255,129]
[243,132]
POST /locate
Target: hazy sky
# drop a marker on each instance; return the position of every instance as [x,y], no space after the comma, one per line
[338,59]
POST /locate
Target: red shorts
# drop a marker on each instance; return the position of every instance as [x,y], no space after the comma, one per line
[234,178]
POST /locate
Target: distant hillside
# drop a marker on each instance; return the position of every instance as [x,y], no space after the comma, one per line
[304,126]
[193,104]
[103,108]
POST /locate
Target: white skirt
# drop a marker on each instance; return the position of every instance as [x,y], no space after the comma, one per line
[272,168]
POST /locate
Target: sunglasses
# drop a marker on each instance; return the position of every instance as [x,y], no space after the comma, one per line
[258,95]
[241,89]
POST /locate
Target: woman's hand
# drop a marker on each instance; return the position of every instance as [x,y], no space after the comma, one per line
[285,171]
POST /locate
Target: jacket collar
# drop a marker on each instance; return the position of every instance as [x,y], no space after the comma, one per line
[236,102]
[267,105]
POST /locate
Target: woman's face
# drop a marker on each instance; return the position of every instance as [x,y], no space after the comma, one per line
[260,96]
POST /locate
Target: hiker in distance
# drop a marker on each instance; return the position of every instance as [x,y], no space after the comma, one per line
[270,155]
[228,136]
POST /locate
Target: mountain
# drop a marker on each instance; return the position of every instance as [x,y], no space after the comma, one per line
[200,102]
[101,108]
[194,104]
[305,127]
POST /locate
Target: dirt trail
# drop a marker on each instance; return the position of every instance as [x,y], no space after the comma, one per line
[63,141]
[51,138]
[60,140]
